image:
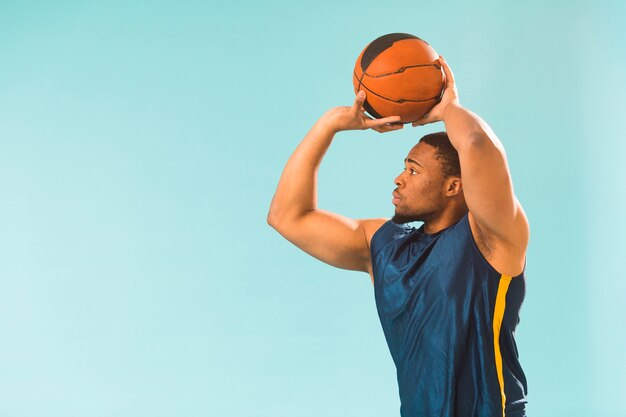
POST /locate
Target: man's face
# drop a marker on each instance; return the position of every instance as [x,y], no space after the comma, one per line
[420,192]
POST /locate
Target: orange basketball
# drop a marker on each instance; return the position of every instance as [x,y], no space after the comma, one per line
[401,76]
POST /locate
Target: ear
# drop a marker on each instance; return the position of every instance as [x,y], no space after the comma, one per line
[455,186]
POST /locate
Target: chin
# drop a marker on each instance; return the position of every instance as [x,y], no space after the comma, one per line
[400,218]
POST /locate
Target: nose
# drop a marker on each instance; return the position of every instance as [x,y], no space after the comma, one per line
[399,181]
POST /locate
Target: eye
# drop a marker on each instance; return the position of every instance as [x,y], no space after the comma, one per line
[413,172]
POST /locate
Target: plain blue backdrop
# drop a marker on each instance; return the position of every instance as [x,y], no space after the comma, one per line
[140,146]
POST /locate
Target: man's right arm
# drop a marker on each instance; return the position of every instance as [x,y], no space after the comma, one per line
[329,237]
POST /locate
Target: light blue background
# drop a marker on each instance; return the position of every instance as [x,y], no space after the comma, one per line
[140,146]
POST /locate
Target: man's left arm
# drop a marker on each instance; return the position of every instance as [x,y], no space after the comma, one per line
[487,185]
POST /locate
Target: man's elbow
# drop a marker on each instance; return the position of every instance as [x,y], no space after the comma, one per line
[276,217]
[271,219]
[272,216]
[283,219]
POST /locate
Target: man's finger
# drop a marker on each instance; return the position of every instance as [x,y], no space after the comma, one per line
[386,120]
[447,71]
[374,123]
[387,128]
[390,124]
[358,102]
[423,121]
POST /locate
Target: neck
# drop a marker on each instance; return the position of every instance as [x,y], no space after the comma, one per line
[443,221]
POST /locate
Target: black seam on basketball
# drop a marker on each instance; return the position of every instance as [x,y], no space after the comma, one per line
[371,110]
[360,79]
[402,100]
[380,44]
[402,69]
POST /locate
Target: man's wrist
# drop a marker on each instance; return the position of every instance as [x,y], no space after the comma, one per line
[327,125]
[450,106]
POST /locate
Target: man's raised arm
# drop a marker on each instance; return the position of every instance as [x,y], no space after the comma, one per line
[330,237]
[487,184]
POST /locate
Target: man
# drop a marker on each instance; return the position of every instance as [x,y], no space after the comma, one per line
[449,293]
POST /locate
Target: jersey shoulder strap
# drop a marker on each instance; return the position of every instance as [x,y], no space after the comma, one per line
[386,233]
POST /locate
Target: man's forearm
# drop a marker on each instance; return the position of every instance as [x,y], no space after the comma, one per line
[465,128]
[297,189]
[296,193]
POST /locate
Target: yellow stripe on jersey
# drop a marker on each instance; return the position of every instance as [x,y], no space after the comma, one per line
[503,286]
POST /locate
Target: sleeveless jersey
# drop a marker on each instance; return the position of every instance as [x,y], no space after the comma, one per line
[449,319]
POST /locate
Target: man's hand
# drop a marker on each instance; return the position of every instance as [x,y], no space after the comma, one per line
[450,95]
[354,118]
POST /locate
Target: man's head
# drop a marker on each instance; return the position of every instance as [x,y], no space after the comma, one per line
[430,182]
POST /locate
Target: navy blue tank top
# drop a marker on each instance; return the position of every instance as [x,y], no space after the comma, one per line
[449,319]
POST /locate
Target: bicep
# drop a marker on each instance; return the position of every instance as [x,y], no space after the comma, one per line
[332,238]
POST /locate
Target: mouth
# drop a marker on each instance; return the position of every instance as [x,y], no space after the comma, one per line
[396,198]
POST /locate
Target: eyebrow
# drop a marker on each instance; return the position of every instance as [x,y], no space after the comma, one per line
[413,161]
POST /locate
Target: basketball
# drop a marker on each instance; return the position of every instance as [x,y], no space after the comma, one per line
[400,75]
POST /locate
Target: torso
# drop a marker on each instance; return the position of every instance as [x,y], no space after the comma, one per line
[449,318]
[501,257]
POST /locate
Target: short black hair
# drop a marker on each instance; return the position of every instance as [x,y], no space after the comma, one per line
[445,152]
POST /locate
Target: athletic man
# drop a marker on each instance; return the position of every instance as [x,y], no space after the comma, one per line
[448,294]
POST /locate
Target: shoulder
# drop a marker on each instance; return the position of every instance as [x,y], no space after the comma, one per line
[371,226]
